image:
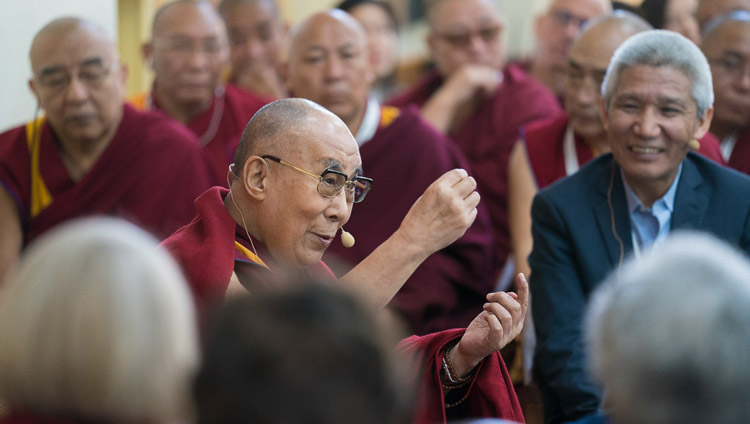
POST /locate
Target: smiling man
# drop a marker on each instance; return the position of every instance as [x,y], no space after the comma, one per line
[657,100]
[90,153]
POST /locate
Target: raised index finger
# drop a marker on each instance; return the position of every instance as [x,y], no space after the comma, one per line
[523,291]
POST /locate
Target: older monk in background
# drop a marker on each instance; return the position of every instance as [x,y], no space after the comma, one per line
[404,155]
[477,102]
[187,53]
[257,45]
[555,30]
[727,46]
[90,153]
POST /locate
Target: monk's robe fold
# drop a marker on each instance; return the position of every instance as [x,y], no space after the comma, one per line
[740,157]
[219,127]
[149,174]
[491,394]
[545,139]
[207,252]
[487,136]
[403,158]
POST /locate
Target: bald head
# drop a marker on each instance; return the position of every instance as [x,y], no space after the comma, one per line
[709,9]
[279,190]
[54,35]
[77,74]
[603,35]
[587,65]
[225,6]
[187,53]
[328,64]
[273,128]
[177,10]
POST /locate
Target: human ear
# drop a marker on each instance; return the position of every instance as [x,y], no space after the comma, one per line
[255,177]
[704,123]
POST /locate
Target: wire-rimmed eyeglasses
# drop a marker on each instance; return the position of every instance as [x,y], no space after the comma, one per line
[330,182]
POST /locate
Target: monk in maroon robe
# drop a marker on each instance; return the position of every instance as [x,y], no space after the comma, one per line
[404,155]
[187,53]
[90,154]
[479,106]
[725,45]
[297,174]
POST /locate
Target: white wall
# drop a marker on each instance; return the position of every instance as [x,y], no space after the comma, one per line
[20,20]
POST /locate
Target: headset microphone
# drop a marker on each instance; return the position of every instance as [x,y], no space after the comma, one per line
[347,239]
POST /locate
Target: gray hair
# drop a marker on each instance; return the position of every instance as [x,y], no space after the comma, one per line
[669,335]
[663,48]
[97,322]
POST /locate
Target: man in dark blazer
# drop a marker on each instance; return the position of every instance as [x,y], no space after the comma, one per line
[657,101]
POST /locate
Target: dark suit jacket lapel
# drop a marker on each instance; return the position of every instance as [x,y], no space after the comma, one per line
[619,210]
[691,202]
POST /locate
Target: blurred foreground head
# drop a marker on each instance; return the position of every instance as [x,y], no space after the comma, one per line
[669,335]
[310,353]
[97,324]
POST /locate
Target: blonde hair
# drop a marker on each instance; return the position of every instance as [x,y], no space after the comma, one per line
[97,322]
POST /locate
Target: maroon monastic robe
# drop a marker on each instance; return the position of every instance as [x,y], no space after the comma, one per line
[544,142]
[220,127]
[403,158]
[740,158]
[491,393]
[149,174]
[487,137]
[206,250]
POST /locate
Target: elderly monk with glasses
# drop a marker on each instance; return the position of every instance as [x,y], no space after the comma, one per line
[296,176]
[91,154]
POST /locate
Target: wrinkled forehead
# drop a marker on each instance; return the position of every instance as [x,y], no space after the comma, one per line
[325,141]
[71,47]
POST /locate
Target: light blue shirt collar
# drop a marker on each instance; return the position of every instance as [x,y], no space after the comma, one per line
[650,225]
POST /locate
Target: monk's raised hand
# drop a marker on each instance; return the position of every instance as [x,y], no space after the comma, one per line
[470,80]
[499,323]
[443,213]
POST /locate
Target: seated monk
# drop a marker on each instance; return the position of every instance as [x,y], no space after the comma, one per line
[329,65]
[725,41]
[91,154]
[257,45]
[297,174]
[187,53]
[477,101]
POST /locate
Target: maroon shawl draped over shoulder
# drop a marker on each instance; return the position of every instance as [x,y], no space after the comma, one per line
[740,158]
[149,174]
[487,137]
[404,157]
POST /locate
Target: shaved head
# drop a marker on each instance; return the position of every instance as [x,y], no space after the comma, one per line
[708,9]
[81,110]
[226,5]
[174,10]
[275,125]
[51,35]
